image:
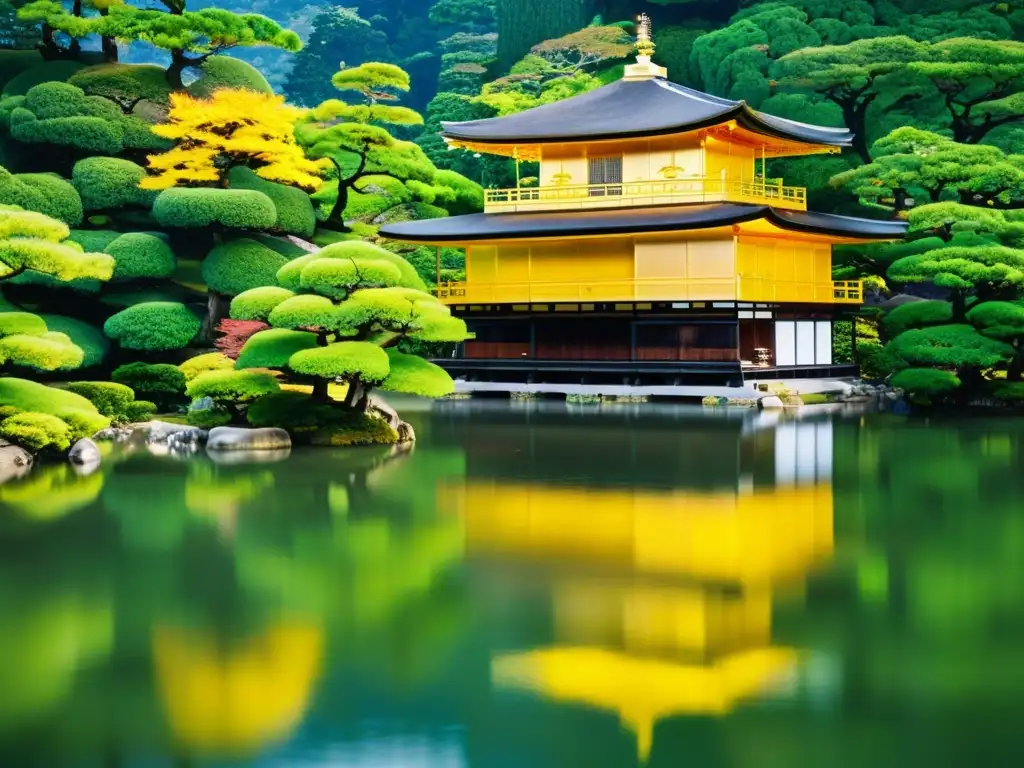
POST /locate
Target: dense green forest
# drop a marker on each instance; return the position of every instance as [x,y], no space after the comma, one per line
[141,223]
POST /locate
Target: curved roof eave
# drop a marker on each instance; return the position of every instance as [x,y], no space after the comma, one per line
[634,109]
[541,225]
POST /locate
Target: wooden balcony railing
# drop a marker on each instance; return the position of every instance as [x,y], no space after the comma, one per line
[655,289]
[640,193]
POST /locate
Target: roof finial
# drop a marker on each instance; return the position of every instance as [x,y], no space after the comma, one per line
[644,69]
[644,43]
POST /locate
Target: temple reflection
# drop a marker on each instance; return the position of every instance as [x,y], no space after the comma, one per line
[660,599]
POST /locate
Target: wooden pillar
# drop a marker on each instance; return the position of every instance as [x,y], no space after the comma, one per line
[437,270]
[632,339]
[533,339]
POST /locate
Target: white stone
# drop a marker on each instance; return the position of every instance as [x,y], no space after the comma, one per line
[84,453]
[241,439]
[159,431]
[772,401]
[15,461]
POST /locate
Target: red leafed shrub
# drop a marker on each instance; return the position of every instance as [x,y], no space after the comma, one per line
[234,334]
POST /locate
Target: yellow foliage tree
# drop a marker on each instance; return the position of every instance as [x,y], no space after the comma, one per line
[231,128]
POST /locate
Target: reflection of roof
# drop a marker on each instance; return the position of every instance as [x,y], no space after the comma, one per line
[626,221]
[761,537]
[626,109]
[640,690]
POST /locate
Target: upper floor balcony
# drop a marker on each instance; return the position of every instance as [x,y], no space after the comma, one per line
[752,289]
[629,194]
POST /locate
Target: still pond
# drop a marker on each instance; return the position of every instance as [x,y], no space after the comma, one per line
[536,585]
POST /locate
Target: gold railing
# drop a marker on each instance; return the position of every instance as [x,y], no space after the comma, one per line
[655,289]
[639,193]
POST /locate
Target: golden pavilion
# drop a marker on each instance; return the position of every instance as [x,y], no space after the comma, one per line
[654,247]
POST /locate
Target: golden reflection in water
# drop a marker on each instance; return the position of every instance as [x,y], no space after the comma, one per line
[661,600]
[765,535]
[643,690]
[235,700]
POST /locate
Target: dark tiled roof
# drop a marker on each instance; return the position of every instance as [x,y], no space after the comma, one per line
[636,108]
[624,221]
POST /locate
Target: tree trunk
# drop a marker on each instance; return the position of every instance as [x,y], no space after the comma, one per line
[356,396]
[959,302]
[49,48]
[76,44]
[899,199]
[217,306]
[320,393]
[109,47]
[853,116]
[179,62]
[971,383]
[336,216]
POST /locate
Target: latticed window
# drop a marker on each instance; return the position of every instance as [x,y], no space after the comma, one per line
[604,171]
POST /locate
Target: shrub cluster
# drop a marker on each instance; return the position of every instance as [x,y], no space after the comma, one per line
[241,265]
[295,214]
[211,361]
[36,431]
[273,348]
[88,338]
[140,255]
[186,207]
[162,383]
[107,183]
[21,397]
[232,387]
[114,400]
[320,423]
[153,326]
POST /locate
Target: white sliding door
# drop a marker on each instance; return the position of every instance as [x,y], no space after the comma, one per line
[785,342]
[805,342]
[823,342]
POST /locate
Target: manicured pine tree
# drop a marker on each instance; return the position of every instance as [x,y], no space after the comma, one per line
[912,166]
[234,169]
[232,128]
[851,76]
[32,242]
[980,82]
[191,37]
[339,315]
[351,136]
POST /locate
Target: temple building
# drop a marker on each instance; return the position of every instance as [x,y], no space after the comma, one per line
[654,249]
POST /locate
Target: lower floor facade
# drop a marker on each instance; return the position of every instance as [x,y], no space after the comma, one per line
[647,344]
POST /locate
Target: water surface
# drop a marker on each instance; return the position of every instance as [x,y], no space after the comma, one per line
[534,585]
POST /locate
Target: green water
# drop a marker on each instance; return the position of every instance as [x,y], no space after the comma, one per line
[532,586]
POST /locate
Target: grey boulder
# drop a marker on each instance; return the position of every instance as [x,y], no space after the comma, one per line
[84,453]
[241,439]
[15,461]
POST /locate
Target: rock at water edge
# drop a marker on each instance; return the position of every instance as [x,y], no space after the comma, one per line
[160,431]
[15,462]
[241,439]
[772,401]
[85,452]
